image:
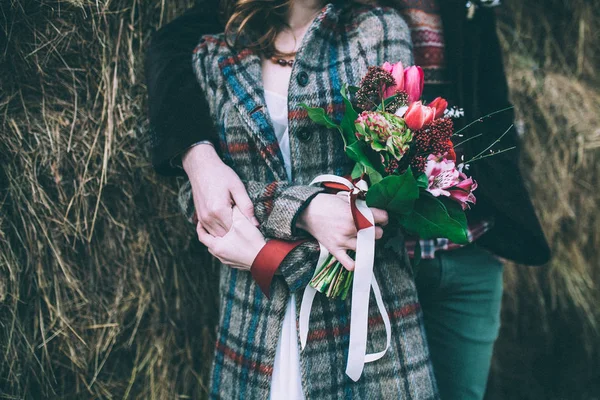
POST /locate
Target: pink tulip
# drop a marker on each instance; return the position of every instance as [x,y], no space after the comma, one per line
[440,105]
[418,115]
[414,79]
[397,71]
[387,67]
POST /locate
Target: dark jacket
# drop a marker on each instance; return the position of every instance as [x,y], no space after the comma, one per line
[476,68]
[178,111]
[179,116]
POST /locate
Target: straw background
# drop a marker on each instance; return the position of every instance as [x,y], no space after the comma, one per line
[104,291]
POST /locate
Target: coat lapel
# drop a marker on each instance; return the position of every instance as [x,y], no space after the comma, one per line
[243,78]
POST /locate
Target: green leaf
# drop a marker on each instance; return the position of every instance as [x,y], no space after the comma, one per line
[360,129]
[353,89]
[356,152]
[432,218]
[374,176]
[350,115]
[317,115]
[422,181]
[395,193]
[357,171]
[456,212]
[377,146]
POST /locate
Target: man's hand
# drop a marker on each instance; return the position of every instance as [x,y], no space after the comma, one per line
[239,246]
[329,220]
[216,188]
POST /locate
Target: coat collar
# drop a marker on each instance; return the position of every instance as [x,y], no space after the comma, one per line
[242,71]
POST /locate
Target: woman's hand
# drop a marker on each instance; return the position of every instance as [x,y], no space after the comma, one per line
[216,188]
[329,220]
[239,246]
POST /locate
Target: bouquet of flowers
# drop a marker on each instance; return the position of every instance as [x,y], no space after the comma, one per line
[404,150]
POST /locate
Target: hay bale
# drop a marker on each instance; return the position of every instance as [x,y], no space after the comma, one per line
[549,347]
[104,291]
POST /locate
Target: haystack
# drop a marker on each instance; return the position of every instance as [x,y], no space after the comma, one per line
[104,291]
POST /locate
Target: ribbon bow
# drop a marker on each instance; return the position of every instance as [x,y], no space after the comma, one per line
[363,281]
[356,191]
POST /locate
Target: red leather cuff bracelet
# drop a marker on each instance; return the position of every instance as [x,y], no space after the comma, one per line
[268,259]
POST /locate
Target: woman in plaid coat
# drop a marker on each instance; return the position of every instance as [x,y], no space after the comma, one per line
[339,45]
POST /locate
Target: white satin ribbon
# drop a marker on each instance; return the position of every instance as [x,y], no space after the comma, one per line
[363,282]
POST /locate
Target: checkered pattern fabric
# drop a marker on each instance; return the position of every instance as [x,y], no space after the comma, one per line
[430,247]
[338,47]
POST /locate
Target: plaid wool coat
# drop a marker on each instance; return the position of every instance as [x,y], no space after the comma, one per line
[338,47]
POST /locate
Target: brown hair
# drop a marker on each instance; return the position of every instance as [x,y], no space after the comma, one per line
[258,20]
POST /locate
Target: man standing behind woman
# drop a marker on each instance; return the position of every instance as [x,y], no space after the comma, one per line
[459,288]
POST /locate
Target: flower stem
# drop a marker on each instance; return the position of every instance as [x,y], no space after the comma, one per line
[333,279]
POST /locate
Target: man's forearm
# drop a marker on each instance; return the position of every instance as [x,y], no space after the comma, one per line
[177,160]
[193,158]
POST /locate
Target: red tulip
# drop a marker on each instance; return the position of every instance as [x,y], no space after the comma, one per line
[440,105]
[414,79]
[429,115]
[397,71]
[451,155]
[418,115]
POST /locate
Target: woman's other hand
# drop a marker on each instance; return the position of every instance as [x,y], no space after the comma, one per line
[216,188]
[329,220]
[239,246]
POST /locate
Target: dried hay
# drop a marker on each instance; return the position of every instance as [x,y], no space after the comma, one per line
[104,292]
[549,346]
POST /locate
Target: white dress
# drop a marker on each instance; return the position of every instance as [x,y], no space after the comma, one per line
[287,380]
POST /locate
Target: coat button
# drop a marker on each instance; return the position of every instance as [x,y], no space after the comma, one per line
[302,78]
[304,135]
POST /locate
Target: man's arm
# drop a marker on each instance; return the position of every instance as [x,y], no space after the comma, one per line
[178,112]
